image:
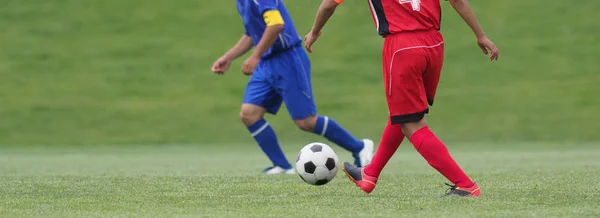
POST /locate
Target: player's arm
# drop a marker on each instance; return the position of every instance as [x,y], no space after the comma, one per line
[240,48]
[275,24]
[325,12]
[463,8]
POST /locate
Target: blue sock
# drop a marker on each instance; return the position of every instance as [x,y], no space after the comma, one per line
[267,140]
[331,130]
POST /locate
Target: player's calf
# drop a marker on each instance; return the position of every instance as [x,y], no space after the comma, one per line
[252,116]
[362,150]
[435,152]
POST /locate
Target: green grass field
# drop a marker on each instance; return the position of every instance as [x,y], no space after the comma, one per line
[108,108]
[165,181]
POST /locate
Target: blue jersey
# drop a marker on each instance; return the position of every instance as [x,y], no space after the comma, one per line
[252,15]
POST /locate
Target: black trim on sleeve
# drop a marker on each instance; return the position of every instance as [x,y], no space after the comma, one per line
[384,26]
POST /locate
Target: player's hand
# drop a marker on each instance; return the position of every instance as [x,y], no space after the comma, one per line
[221,65]
[249,65]
[309,40]
[488,47]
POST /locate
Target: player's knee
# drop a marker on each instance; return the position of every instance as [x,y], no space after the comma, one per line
[307,124]
[410,128]
[410,122]
[249,117]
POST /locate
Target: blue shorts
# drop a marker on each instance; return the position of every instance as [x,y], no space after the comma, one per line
[284,77]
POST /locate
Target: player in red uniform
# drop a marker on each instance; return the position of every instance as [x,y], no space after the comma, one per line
[413,54]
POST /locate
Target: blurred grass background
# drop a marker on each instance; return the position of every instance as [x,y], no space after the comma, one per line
[77,72]
[77,75]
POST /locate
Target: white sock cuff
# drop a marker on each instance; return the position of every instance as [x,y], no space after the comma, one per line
[259,130]
[325,124]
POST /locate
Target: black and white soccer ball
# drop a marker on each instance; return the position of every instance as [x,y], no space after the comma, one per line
[317,163]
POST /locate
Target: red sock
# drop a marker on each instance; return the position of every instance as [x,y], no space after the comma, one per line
[390,141]
[437,155]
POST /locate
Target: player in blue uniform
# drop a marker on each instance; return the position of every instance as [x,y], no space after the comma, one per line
[280,72]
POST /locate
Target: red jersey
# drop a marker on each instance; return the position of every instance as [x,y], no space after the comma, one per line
[395,16]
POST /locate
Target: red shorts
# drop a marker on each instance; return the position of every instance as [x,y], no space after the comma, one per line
[412,64]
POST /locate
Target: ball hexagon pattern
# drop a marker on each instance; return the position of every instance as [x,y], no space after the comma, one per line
[317,164]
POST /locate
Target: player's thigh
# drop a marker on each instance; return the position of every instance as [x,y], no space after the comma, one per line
[300,105]
[260,92]
[295,84]
[431,77]
[405,91]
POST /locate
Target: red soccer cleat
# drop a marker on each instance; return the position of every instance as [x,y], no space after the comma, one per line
[357,175]
[472,191]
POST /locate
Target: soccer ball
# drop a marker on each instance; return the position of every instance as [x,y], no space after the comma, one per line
[317,164]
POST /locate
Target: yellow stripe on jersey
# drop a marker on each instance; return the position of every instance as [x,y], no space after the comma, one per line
[273,17]
[338,1]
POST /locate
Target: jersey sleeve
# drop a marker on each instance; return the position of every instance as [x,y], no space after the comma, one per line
[266,5]
[338,1]
[245,29]
[268,9]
